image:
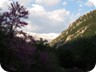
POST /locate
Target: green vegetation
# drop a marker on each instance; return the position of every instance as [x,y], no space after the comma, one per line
[83,27]
[76,46]
[80,53]
[18,55]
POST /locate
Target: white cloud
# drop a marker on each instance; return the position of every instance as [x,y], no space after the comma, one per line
[48,2]
[58,15]
[24,2]
[94,2]
[81,5]
[55,15]
[44,36]
[2,1]
[64,3]
[37,10]
[30,27]
[89,3]
[47,21]
[4,4]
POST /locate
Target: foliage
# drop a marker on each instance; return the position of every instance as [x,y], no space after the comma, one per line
[18,55]
[83,27]
[21,56]
[12,19]
[80,53]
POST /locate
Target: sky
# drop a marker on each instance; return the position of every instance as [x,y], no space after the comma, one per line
[51,17]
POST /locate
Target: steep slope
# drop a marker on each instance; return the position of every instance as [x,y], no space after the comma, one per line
[83,27]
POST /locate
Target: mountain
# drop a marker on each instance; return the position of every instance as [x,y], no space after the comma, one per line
[83,27]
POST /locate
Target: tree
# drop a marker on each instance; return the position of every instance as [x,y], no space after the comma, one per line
[13,18]
[80,53]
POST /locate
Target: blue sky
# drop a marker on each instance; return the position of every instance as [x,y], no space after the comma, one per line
[52,16]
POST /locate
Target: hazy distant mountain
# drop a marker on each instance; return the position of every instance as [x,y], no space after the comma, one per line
[83,27]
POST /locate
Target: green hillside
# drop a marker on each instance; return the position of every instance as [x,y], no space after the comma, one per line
[83,27]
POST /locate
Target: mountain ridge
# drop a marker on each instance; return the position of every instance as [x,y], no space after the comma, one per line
[83,27]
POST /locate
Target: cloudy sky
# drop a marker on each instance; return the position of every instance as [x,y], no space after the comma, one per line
[51,16]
